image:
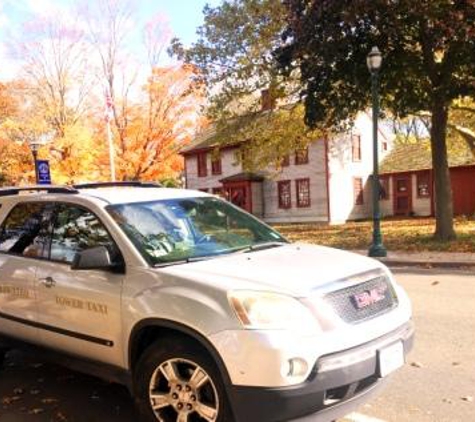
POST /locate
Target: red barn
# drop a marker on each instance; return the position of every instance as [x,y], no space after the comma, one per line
[408,182]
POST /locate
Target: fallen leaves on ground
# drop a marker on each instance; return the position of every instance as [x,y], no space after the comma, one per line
[411,235]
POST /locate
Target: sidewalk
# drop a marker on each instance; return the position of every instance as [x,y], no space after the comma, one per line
[428,259]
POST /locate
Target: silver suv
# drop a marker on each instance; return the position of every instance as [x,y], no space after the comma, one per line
[203,311]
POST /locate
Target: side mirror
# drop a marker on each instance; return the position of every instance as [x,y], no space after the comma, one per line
[97,258]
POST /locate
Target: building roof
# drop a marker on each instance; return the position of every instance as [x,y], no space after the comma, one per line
[245,177]
[417,156]
[204,139]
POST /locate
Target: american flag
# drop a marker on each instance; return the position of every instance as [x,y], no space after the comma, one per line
[108,112]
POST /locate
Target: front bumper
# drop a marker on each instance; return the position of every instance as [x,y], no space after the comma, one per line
[338,384]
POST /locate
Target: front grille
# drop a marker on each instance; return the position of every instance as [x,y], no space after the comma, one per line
[365,300]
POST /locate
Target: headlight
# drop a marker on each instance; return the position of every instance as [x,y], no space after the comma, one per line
[272,311]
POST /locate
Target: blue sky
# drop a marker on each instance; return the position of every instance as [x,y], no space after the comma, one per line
[184,17]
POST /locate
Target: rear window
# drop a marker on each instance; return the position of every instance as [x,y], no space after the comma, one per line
[25,230]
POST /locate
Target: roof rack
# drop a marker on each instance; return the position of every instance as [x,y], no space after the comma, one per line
[138,184]
[16,190]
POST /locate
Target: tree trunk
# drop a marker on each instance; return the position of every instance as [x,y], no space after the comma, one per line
[444,213]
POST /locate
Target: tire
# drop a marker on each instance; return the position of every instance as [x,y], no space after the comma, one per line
[176,381]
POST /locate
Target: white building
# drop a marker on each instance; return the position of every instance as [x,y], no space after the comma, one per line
[329,182]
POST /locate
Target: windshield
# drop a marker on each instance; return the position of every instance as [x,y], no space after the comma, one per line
[182,230]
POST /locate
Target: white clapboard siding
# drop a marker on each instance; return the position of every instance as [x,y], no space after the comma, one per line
[315,171]
[343,170]
[229,167]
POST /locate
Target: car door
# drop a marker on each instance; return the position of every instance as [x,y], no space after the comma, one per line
[79,310]
[24,240]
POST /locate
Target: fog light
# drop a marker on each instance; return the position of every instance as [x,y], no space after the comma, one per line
[297,367]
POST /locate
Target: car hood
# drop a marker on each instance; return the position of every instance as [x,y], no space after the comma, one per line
[296,269]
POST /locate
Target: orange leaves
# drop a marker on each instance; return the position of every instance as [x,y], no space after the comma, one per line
[161,125]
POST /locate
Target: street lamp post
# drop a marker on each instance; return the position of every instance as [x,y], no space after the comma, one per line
[374,61]
[35,146]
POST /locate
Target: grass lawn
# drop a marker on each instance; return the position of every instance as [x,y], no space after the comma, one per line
[414,234]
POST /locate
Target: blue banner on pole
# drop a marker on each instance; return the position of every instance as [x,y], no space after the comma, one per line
[44,176]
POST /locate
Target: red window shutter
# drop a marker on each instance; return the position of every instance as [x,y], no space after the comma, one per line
[202,165]
[356,147]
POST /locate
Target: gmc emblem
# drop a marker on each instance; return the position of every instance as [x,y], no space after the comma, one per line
[369,297]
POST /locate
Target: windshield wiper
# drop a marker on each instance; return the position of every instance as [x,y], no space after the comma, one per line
[261,246]
[182,261]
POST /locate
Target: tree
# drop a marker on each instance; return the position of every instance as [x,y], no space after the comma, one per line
[55,70]
[429,62]
[161,124]
[109,24]
[234,58]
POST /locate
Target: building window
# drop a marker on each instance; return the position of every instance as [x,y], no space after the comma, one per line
[218,192]
[303,192]
[216,164]
[423,185]
[356,147]
[385,146]
[383,188]
[285,197]
[285,161]
[202,165]
[301,156]
[358,190]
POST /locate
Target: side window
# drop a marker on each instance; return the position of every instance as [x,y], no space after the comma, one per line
[75,230]
[26,230]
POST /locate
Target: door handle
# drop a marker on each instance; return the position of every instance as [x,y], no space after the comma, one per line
[48,282]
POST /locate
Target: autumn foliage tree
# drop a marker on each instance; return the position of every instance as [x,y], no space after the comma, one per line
[161,124]
[69,61]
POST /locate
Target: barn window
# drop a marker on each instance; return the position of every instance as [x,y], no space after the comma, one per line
[423,185]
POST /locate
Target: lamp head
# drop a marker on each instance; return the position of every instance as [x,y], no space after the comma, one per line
[374,60]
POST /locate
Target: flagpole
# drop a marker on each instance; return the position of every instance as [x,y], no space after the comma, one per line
[108,118]
[111,150]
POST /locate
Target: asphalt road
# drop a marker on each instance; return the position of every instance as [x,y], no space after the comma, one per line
[437,385]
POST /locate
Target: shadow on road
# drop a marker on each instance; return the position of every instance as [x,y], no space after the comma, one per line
[35,391]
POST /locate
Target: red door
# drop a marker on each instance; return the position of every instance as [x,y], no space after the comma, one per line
[239,193]
[402,195]
[463,188]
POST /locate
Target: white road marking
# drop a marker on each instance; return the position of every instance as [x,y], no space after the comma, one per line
[359,417]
